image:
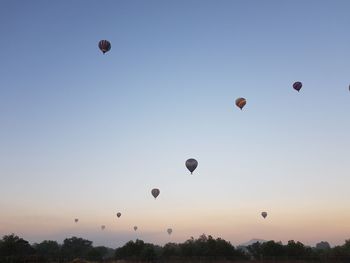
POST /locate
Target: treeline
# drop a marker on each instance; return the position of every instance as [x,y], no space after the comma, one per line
[14,249]
[208,249]
[297,251]
[203,248]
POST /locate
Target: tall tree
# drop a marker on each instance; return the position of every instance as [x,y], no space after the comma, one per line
[12,245]
[49,250]
[75,247]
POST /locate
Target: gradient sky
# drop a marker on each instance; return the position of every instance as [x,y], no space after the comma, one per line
[87,135]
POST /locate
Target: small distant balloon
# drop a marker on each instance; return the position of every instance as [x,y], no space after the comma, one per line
[169,230]
[155,192]
[297,85]
[135,228]
[241,102]
[264,214]
[119,214]
[76,220]
[103,227]
[104,46]
[191,165]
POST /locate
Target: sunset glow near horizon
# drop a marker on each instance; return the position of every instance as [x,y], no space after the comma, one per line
[86,135]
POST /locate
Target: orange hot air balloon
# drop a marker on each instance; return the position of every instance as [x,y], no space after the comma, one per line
[241,102]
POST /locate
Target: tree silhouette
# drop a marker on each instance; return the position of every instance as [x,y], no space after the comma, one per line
[75,247]
[48,250]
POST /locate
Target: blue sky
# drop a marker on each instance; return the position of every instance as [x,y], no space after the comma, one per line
[86,135]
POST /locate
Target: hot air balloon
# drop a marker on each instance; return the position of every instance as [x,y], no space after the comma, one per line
[155,192]
[169,230]
[104,45]
[135,228]
[191,165]
[103,227]
[76,220]
[264,214]
[241,102]
[297,85]
[119,214]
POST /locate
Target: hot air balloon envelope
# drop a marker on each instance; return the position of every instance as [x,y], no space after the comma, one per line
[241,102]
[155,192]
[104,46]
[297,85]
[191,165]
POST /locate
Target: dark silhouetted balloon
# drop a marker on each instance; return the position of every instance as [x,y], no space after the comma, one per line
[119,214]
[241,102]
[169,230]
[191,165]
[155,192]
[104,46]
[103,227]
[76,220]
[135,228]
[297,85]
[264,214]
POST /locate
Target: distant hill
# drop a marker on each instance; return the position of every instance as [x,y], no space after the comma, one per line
[244,246]
[252,241]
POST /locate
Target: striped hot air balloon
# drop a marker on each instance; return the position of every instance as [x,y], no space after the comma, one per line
[104,46]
